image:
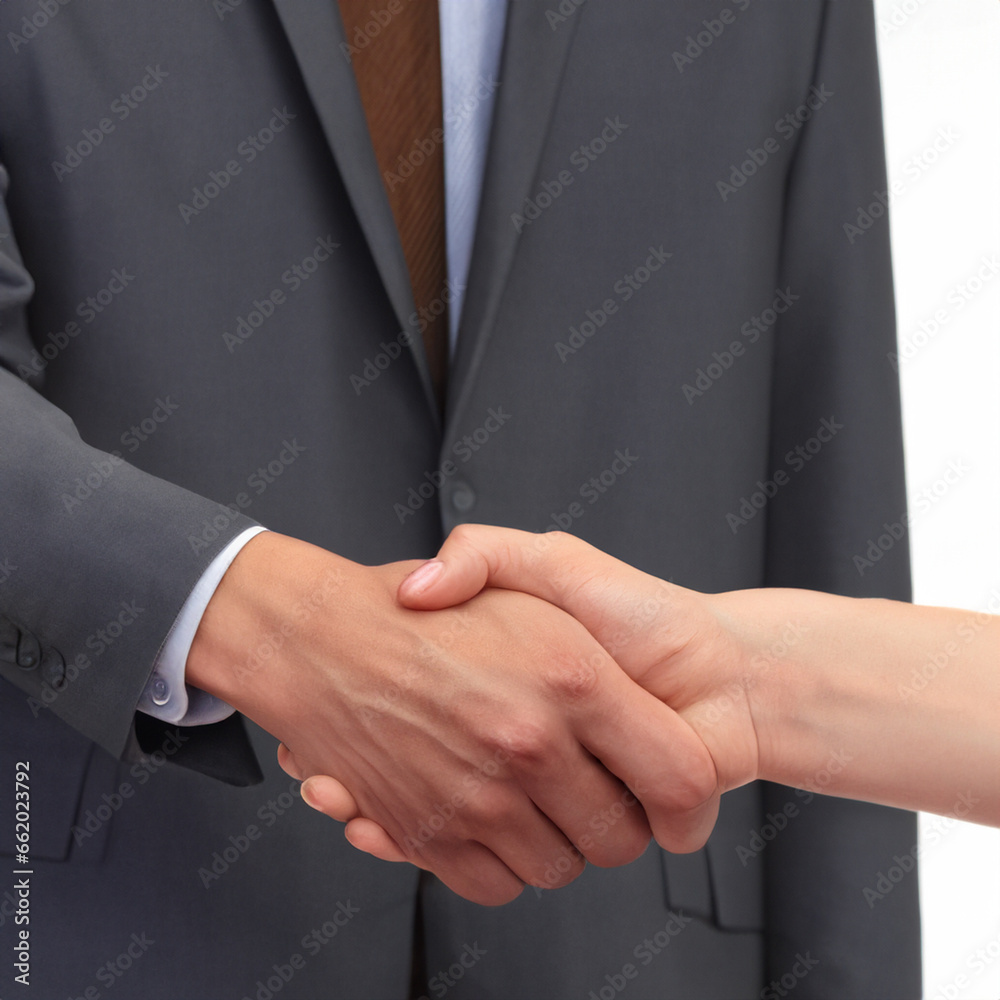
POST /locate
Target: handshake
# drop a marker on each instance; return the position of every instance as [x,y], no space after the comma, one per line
[523,704]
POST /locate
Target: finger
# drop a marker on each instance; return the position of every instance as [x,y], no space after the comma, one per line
[475,870]
[288,763]
[655,753]
[595,816]
[485,880]
[496,819]
[329,796]
[366,835]
[477,874]
[447,842]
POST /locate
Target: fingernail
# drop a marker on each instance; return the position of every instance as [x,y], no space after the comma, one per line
[307,796]
[422,577]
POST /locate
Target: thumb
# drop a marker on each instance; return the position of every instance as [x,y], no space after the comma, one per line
[462,569]
[478,555]
[636,617]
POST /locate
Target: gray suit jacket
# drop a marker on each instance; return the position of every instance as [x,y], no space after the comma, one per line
[674,345]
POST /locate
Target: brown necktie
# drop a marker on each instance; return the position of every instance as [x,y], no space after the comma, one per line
[399,77]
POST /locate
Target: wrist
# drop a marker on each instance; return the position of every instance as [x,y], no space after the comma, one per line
[779,665]
[271,590]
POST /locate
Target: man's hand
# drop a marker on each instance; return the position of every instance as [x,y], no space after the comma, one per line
[473,737]
[662,636]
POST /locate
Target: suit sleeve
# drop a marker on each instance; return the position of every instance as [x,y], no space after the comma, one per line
[836,427]
[98,557]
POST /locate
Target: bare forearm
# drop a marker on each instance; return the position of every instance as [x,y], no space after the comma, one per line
[874,699]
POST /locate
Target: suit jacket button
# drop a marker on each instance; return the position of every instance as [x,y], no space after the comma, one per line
[54,669]
[463,498]
[29,653]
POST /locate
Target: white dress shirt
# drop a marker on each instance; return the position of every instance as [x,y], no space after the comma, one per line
[472,34]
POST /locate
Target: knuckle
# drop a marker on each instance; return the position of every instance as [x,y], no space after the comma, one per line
[493,807]
[522,743]
[560,538]
[463,533]
[575,681]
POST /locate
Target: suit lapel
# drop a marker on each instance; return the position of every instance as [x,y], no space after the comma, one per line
[315,33]
[534,57]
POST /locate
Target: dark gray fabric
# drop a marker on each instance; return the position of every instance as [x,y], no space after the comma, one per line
[320,388]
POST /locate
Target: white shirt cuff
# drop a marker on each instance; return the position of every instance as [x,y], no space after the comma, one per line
[166,695]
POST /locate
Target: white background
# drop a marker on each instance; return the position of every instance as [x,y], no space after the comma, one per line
[940,64]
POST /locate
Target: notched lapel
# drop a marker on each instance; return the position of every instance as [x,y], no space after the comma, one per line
[531,68]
